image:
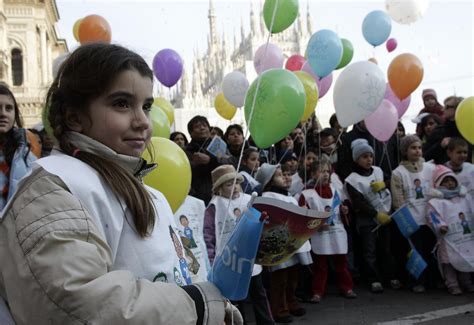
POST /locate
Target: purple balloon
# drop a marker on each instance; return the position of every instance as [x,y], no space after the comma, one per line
[391,44]
[167,67]
[383,122]
[323,84]
[400,105]
[271,59]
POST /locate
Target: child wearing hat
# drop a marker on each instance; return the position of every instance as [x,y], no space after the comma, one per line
[284,276]
[221,216]
[371,201]
[331,242]
[451,219]
[411,184]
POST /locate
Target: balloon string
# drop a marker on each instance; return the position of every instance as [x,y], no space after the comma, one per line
[248,128]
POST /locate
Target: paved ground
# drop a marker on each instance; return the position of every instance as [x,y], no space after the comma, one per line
[390,308]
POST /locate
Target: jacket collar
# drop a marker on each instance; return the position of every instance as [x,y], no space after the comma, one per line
[413,167]
[135,165]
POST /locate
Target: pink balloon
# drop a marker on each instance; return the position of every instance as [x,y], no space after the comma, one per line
[270,59]
[400,105]
[323,84]
[383,122]
[295,62]
[391,44]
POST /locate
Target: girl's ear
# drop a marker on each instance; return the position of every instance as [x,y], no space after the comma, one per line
[74,121]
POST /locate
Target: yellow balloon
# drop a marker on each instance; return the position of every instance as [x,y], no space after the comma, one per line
[172,177]
[166,107]
[75,29]
[223,107]
[311,91]
[465,118]
[160,123]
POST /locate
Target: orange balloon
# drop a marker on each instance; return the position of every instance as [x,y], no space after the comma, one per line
[405,74]
[94,28]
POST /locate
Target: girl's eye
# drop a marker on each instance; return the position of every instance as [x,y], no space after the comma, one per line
[147,107]
[121,103]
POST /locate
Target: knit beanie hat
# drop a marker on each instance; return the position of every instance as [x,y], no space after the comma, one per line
[440,173]
[289,155]
[359,147]
[429,92]
[406,142]
[265,174]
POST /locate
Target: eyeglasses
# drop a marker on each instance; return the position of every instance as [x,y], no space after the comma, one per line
[450,106]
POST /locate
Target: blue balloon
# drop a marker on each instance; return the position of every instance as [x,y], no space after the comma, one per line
[324,52]
[376,27]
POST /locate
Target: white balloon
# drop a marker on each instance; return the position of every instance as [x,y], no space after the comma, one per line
[234,87]
[358,92]
[406,11]
[58,61]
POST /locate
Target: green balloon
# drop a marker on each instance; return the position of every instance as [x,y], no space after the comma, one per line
[279,106]
[286,13]
[160,123]
[347,53]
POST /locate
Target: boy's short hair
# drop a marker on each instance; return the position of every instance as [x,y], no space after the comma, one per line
[456,143]
[197,119]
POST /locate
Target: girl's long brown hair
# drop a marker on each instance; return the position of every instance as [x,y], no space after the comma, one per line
[86,74]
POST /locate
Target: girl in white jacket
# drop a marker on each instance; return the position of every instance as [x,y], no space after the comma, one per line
[83,238]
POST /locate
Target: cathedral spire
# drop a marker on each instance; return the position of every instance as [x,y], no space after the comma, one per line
[242,31]
[309,25]
[253,21]
[212,23]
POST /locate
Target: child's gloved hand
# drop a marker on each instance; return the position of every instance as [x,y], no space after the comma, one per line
[443,230]
[383,218]
[377,186]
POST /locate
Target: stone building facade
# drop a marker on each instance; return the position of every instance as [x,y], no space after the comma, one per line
[29,43]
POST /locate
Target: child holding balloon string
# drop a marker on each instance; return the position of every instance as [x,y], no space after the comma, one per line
[93,236]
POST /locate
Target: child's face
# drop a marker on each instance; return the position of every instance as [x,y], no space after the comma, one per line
[326,144]
[179,140]
[278,180]
[430,101]
[120,118]
[235,138]
[288,178]
[226,189]
[458,155]
[430,126]
[7,113]
[365,160]
[292,165]
[414,152]
[449,182]
[309,159]
[322,175]
[286,143]
[252,162]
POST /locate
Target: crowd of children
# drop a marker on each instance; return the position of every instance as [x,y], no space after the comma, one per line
[363,182]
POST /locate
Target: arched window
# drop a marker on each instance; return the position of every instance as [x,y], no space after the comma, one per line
[17,67]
